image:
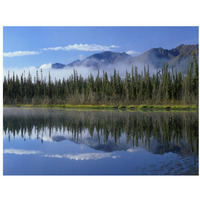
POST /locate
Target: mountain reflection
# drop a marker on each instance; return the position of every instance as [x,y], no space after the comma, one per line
[157,132]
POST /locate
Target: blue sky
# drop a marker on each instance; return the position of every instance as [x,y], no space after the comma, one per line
[34,46]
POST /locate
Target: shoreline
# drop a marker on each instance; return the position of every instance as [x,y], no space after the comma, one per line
[114,107]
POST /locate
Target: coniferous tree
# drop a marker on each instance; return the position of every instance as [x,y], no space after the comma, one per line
[166,86]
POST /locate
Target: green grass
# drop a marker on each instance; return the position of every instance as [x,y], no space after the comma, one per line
[120,107]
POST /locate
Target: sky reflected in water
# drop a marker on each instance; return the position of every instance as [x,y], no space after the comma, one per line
[68,142]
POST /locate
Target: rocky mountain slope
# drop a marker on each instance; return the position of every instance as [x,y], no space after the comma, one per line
[179,57]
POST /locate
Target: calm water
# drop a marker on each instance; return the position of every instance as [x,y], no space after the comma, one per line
[67,142]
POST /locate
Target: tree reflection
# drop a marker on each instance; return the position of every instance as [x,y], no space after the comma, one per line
[171,131]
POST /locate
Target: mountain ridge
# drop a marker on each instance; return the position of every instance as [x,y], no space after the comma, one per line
[179,57]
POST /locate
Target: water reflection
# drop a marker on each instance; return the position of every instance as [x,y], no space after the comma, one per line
[107,131]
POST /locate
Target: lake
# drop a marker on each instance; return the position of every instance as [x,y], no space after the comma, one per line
[40,141]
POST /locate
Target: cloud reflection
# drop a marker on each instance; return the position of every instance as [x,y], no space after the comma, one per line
[131,150]
[21,151]
[83,156]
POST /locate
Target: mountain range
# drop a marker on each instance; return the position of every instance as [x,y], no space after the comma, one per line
[123,145]
[179,57]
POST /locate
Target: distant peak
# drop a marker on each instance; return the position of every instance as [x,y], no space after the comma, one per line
[180,46]
[186,45]
[58,65]
[153,49]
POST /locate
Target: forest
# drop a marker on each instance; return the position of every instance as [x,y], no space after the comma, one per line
[164,87]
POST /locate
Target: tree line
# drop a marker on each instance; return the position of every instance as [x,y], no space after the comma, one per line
[165,86]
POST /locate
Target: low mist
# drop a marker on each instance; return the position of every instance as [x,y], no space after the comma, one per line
[82,70]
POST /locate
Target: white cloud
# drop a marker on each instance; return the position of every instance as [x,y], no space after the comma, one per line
[46,66]
[78,47]
[20,151]
[133,52]
[53,156]
[20,53]
[83,47]
[53,48]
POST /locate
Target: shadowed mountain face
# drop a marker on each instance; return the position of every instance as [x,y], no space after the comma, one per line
[57,66]
[185,57]
[179,57]
[103,59]
[156,57]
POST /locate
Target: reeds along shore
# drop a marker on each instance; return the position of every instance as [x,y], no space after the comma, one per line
[166,87]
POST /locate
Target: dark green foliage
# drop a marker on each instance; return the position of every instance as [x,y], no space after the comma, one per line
[163,87]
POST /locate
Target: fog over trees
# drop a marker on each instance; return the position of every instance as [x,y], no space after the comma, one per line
[166,86]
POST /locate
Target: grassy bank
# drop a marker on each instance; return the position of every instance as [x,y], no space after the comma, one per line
[124,107]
